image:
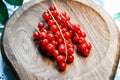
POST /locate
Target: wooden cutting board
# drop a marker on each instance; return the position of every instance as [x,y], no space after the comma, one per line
[24,58]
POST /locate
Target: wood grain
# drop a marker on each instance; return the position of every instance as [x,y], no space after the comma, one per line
[24,58]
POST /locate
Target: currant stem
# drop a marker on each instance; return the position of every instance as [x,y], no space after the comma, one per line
[60,33]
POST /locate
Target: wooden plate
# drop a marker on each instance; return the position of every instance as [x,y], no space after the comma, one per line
[25,60]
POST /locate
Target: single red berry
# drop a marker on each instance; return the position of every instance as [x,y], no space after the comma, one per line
[42,35]
[62,66]
[70,51]
[70,58]
[51,22]
[60,59]
[36,35]
[58,35]
[83,34]
[58,19]
[86,52]
[83,46]
[64,18]
[63,13]
[50,47]
[59,41]
[54,28]
[64,30]
[45,42]
[81,40]
[67,24]
[75,39]
[55,54]
[46,16]
[54,13]
[41,25]
[54,43]
[67,17]
[50,37]
[76,27]
[89,45]
[61,48]
[52,8]
[79,33]
[44,30]
[68,42]
[70,46]
[67,35]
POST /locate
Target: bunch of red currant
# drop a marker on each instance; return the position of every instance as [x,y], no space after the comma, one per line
[56,38]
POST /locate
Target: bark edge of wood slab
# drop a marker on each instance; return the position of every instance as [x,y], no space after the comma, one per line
[26,61]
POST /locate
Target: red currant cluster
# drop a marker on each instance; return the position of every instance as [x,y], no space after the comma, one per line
[57,38]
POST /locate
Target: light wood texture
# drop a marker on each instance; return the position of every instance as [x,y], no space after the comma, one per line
[25,60]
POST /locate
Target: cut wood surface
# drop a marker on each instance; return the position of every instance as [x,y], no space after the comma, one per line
[26,61]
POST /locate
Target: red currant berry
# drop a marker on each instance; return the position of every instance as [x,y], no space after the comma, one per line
[70,46]
[50,47]
[44,30]
[76,27]
[42,35]
[83,46]
[54,13]
[89,46]
[64,30]
[62,66]
[50,37]
[67,17]
[46,16]
[52,8]
[51,22]
[81,40]
[70,51]
[61,48]
[41,25]
[55,54]
[67,35]
[68,42]
[45,42]
[67,24]
[54,43]
[58,35]
[75,39]
[86,52]
[63,13]
[36,35]
[70,58]
[54,28]
[59,41]
[83,34]
[58,19]
[60,59]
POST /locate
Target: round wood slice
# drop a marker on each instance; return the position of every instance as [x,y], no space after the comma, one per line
[26,60]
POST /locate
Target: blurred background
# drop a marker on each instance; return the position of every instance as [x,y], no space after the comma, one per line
[8,7]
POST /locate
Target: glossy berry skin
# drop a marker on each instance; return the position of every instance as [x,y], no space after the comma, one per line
[70,46]
[46,16]
[52,8]
[70,51]
[50,47]
[41,25]
[70,58]
[58,19]
[64,30]
[89,46]
[42,35]
[54,43]
[83,34]
[75,39]
[45,42]
[50,37]
[62,66]
[86,52]
[63,13]
[54,28]
[67,35]
[54,13]
[59,41]
[44,30]
[36,35]
[81,40]
[60,59]
[51,22]
[55,54]
[61,48]
[76,27]
[83,46]
[58,35]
